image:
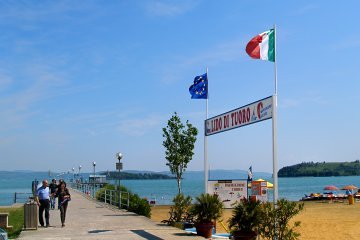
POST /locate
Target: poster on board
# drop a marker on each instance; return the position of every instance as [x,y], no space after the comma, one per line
[229,191]
[259,190]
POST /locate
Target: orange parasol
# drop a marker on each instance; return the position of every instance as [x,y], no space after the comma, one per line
[331,188]
[349,187]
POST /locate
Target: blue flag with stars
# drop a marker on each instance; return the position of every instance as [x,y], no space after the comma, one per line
[199,90]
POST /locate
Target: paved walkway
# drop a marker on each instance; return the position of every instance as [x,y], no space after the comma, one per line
[87,219]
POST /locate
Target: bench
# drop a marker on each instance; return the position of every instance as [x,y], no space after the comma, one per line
[4,221]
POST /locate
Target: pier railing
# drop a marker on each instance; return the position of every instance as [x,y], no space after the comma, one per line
[22,197]
[116,198]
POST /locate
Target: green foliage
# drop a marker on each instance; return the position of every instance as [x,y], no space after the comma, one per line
[179,144]
[180,211]
[16,219]
[139,206]
[275,221]
[246,216]
[322,169]
[206,208]
[136,204]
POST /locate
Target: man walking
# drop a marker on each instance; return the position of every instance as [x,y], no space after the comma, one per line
[43,201]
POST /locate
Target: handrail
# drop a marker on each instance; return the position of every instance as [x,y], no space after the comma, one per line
[115,198]
[112,197]
[20,197]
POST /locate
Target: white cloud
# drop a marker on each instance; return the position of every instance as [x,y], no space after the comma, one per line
[310,99]
[222,52]
[139,127]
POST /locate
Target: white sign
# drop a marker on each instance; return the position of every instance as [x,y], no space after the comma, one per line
[229,191]
[251,113]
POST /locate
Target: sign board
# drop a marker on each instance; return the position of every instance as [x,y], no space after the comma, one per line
[119,166]
[229,191]
[249,114]
[259,190]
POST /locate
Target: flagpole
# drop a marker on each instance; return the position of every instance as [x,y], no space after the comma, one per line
[274,127]
[206,165]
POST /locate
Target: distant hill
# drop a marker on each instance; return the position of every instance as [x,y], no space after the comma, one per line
[214,174]
[321,169]
[135,175]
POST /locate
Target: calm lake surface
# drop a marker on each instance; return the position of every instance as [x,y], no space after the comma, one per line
[164,190]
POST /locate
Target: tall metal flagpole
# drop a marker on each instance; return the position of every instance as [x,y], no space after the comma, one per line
[206,165]
[274,128]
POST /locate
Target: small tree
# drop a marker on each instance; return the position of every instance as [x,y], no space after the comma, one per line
[275,220]
[179,143]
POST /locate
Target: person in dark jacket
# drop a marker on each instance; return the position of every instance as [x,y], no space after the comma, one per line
[58,187]
[53,189]
[64,197]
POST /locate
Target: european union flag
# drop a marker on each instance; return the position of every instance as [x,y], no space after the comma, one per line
[199,90]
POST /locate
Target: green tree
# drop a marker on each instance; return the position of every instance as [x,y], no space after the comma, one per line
[179,144]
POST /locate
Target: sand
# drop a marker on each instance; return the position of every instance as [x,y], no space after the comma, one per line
[319,220]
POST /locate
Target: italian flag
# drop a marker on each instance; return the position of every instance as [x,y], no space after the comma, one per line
[262,46]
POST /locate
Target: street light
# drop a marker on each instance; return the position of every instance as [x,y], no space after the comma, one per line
[73,170]
[79,173]
[94,165]
[119,156]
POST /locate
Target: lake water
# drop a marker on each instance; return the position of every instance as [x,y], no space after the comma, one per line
[164,190]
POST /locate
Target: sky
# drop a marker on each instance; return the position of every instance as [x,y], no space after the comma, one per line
[83,80]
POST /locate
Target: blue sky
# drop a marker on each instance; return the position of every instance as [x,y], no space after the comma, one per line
[82,80]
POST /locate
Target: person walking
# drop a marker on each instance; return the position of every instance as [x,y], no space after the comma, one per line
[58,187]
[43,201]
[53,189]
[64,197]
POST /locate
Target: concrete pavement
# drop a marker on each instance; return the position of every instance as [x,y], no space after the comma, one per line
[87,219]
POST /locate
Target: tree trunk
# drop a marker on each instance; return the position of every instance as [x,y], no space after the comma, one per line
[179,185]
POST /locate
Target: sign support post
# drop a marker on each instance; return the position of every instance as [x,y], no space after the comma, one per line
[274,130]
[206,164]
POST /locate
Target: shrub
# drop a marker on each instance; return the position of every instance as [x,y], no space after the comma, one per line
[180,211]
[275,221]
[207,208]
[139,206]
[136,204]
[246,217]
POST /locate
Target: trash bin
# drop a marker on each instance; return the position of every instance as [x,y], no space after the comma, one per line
[30,216]
[351,200]
[3,234]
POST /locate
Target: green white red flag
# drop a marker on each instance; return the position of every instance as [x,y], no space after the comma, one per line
[262,46]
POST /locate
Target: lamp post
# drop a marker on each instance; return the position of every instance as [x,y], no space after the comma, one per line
[73,170]
[79,173]
[119,156]
[94,165]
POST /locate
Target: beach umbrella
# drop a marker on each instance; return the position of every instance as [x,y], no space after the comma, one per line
[349,187]
[268,184]
[331,188]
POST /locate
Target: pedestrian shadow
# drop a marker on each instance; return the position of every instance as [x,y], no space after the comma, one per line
[146,235]
[120,215]
[99,231]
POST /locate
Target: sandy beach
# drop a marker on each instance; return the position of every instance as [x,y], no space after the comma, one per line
[319,220]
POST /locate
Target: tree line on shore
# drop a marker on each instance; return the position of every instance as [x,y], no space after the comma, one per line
[321,169]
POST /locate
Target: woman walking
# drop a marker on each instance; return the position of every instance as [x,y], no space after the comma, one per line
[64,198]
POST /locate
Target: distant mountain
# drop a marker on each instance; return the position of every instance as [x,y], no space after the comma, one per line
[321,169]
[214,174]
[135,175]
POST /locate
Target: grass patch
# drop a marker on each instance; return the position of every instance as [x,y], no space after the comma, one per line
[16,219]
